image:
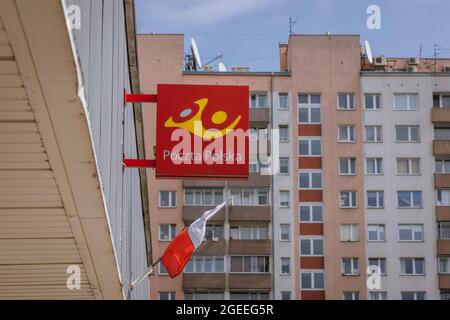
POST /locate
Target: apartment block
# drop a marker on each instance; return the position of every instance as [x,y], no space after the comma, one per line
[362,183]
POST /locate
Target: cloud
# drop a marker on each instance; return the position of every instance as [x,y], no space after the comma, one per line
[324,4]
[197,13]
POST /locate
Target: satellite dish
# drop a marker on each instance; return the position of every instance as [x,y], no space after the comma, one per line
[222,67]
[196,54]
[368,51]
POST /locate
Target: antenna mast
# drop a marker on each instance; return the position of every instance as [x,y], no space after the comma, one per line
[292,22]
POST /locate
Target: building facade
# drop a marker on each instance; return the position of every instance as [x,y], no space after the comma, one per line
[361,186]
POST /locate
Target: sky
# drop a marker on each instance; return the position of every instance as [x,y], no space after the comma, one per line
[247,32]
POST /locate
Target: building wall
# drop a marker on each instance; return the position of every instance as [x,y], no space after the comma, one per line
[390,182]
[101,45]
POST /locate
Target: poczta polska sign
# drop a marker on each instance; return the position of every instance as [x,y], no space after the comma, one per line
[202,131]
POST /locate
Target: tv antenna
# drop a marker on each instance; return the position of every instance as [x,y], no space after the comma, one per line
[292,23]
[193,61]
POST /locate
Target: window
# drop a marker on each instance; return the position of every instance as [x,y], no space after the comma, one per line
[347,199]
[249,295]
[349,232]
[408,166]
[285,295]
[249,264]
[310,146]
[377,295]
[284,165]
[166,295]
[249,232]
[444,264]
[375,199]
[443,197]
[167,199]
[350,295]
[311,247]
[350,266]
[445,294]
[214,232]
[406,101]
[374,165]
[250,197]
[284,199]
[162,269]
[311,213]
[167,232]
[284,133]
[347,166]
[258,100]
[346,134]
[444,230]
[373,134]
[409,199]
[283,101]
[313,280]
[412,266]
[346,101]
[442,133]
[285,232]
[407,134]
[376,232]
[205,264]
[442,166]
[203,197]
[309,108]
[379,264]
[203,295]
[416,295]
[410,232]
[285,266]
[310,180]
[372,101]
[441,100]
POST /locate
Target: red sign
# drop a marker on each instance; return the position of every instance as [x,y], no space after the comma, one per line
[202,131]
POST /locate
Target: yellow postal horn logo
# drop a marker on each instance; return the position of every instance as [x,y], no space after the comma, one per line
[195,125]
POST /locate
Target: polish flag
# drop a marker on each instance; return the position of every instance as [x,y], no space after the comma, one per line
[180,250]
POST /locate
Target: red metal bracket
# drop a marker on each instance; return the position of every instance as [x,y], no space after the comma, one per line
[138,163]
[141,97]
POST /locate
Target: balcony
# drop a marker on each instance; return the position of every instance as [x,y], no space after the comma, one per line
[249,281]
[255,180]
[443,213]
[190,213]
[260,247]
[212,248]
[204,281]
[203,183]
[442,180]
[441,147]
[440,115]
[260,115]
[444,281]
[250,213]
[443,247]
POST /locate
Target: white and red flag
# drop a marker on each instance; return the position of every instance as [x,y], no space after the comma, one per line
[180,250]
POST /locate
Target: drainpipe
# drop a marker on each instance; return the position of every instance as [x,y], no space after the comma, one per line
[273,185]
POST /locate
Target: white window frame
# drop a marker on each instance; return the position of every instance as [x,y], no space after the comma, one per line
[374,101]
[353,198]
[201,259]
[349,129]
[284,126]
[283,94]
[203,203]
[441,234]
[409,134]
[440,94]
[288,264]
[354,295]
[254,196]
[413,265]
[172,199]
[310,206]
[444,260]
[257,95]
[309,106]
[380,229]
[310,174]
[311,246]
[412,228]
[171,236]
[379,196]
[378,162]
[256,230]
[377,295]
[378,265]
[354,266]
[171,295]
[442,165]
[310,140]
[287,166]
[282,203]
[408,101]
[349,166]
[288,226]
[378,131]
[353,232]
[409,166]
[411,198]
[253,264]
[312,273]
[350,99]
